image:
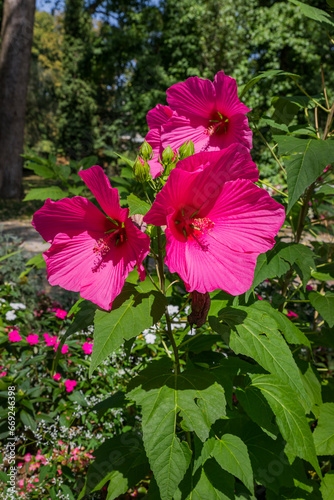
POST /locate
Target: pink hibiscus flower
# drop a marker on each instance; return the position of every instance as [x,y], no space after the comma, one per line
[156,118]
[70,384]
[217,224]
[91,253]
[32,339]
[87,348]
[14,336]
[208,113]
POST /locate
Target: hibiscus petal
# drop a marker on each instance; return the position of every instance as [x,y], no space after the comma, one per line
[68,216]
[194,97]
[246,218]
[154,140]
[158,116]
[228,164]
[180,129]
[73,264]
[227,99]
[108,197]
[205,270]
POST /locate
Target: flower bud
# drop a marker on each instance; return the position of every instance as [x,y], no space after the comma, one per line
[187,149]
[200,305]
[167,155]
[141,170]
[146,151]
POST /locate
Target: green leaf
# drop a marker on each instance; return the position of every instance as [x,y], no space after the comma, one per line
[37,261]
[52,192]
[277,262]
[136,205]
[120,460]
[324,432]
[290,331]
[41,170]
[127,160]
[265,74]
[4,257]
[290,416]
[195,397]
[255,333]
[327,486]
[318,15]
[324,304]
[305,160]
[28,420]
[135,309]
[257,408]
[117,400]
[209,483]
[232,455]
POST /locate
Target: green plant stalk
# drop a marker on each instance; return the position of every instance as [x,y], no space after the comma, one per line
[161,274]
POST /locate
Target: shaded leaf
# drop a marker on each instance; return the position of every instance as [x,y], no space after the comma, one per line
[52,192]
[324,432]
[305,160]
[265,74]
[318,15]
[327,486]
[324,304]
[290,416]
[195,397]
[120,460]
[135,309]
[136,205]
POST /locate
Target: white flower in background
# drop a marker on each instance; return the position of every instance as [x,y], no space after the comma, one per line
[3,300]
[150,338]
[173,309]
[17,305]
[10,316]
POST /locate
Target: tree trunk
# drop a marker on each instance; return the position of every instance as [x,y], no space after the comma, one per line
[17,35]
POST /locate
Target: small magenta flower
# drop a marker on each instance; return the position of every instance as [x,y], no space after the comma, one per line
[60,313]
[32,339]
[70,384]
[56,377]
[291,314]
[27,458]
[87,348]
[217,223]
[50,341]
[64,348]
[14,336]
[91,253]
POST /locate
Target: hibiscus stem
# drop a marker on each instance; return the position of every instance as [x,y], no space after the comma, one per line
[161,275]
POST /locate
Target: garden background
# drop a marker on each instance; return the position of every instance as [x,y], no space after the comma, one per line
[96,69]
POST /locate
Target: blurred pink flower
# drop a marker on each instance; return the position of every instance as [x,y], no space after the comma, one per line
[50,341]
[291,314]
[87,348]
[309,288]
[14,336]
[70,384]
[60,313]
[3,374]
[32,339]
[56,377]
[27,457]
[90,251]
[64,348]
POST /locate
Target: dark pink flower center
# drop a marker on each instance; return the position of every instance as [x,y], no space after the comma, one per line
[218,124]
[187,225]
[115,236]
